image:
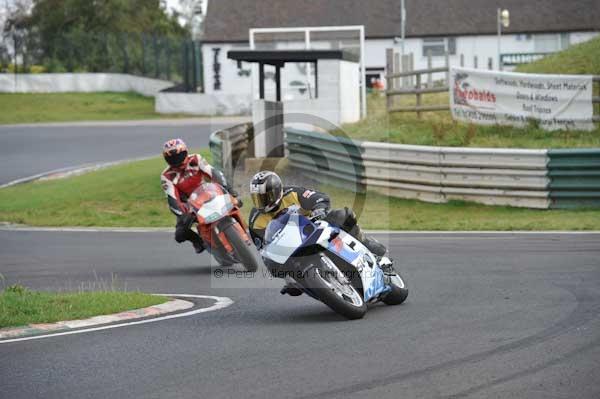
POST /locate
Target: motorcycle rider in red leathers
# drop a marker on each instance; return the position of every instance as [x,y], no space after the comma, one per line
[179,180]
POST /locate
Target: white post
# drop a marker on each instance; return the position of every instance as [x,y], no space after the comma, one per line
[499,22]
[363,72]
[308,68]
[403,19]
[253,66]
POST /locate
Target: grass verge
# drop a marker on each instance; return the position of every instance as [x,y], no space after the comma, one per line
[20,306]
[124,195]
[130,195]
[63,107]
[583,58]
[385,213]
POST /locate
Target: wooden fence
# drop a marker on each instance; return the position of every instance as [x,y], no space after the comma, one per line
[403,80]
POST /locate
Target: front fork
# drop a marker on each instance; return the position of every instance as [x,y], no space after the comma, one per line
[218,236]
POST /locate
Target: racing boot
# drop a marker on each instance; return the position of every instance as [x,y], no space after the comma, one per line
[196,242]
[290,288]
[372,244]
[386,265]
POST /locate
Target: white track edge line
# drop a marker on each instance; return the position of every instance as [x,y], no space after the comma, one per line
[74,170]
[220,303]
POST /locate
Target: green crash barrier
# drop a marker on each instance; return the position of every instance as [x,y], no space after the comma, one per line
[337,160]
[573,174]
[216,150]
[574,178]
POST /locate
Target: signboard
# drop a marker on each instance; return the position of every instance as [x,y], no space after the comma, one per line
[507,98]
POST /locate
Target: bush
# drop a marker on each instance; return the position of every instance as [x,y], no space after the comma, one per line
[10,68]
[16,289]
[37,69]
[55,66]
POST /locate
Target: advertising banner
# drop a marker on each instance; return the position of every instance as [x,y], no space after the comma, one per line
[506,98]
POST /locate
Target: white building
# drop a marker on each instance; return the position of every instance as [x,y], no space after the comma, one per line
[466,27]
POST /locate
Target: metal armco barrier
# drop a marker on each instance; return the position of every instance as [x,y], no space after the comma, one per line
[229,147]
[333,160]
[574,178]
[432,174]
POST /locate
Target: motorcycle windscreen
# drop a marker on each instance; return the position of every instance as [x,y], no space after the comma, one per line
[211,202]
[284,235]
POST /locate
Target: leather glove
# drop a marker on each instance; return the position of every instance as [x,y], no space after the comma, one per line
[318,214]
[235,195]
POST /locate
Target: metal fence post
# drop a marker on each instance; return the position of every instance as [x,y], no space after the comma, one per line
[16,49]
[124,37]
[70,66]
[168,53]
[201,68]
[155,48]
[186,75]
[194,67]
[143,54]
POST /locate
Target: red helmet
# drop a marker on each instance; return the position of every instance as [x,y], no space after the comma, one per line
[175,152]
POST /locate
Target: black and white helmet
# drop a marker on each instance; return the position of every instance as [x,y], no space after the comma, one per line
[266,191]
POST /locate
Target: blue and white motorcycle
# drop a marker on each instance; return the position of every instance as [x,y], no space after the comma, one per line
[329,264]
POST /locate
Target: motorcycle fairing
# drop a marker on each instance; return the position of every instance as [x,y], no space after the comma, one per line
[216,209]
[211,202]
[284,236]
[290,232]
[354,252]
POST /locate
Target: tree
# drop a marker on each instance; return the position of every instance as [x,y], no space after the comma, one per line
[100,35]
[14,32]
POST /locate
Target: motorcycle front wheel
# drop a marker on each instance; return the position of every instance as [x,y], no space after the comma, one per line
[332,287]
[399,290]
[244,249]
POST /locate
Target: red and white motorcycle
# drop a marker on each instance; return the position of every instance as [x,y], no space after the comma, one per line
[222,228]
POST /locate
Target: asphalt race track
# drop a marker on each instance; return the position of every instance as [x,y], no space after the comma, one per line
[30,150]
[488,316]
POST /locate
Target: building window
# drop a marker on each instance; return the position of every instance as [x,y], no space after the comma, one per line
[438,46]
[523,37]
[548,43]
[451,45]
